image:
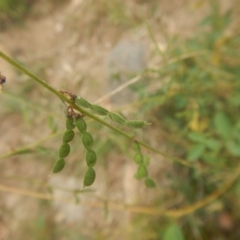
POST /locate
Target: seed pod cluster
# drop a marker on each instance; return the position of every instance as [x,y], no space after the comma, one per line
[64,149]
[142,171]
[91,157]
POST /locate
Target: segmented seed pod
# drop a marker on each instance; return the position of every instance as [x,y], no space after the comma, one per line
[141,172]
[64,150]
[87,140]
[89,177]
[117,118]
[138,158]
[82,102]
[99,110]
[91,158]
[81,125]
[136,147]
[136,124]
[149,183]
[69,123]
[68,136]
[58,165]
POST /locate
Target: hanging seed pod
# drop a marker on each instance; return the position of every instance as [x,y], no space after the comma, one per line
[87,140]
[91,158]
[64,150]
[68,136]
[141,172]
[149,183]
[138,158]
[82,102]
[69,123]
[136,124]
[117,118]
[99,110]
[89,177]
[58,165]
[81,125]
[136,147]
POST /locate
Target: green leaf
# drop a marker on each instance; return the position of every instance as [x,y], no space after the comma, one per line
[223,125]
[150,183]
[58,165]
[99,110]
[141,172]
[196,152]
[89,177]
[233,148]
[138,158]
[173,232]
[213,144]
[196,137]
[136,124]
[116,118]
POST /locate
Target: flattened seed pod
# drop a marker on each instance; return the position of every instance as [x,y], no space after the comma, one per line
[83,103]
[69,123]
[138,158]
[58,165]
[117,118]
[81,125]
[136,124]
[141,172]
[149,183]
[99,110]
[89,177]
[87,140]
[68,136]
[64,150]
[91,158]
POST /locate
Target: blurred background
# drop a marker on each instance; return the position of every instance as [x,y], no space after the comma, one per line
[175,64]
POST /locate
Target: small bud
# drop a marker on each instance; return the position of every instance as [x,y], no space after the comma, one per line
[81,125]
[87,140]
[68,136]
[64,150]
[89,177]
[91,158]
[99,110]
[141,172]
[82,102]
[136,124]
[117,118]
[58,165]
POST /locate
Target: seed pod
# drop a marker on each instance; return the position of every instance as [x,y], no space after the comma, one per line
[82,102]
[89,177]
[99,110]
[149,183]
[117,118]
[68,136]
[136,124]
[87,140]
[141,172]
[64,150]
[58,165]
[138,158]
[69,123]
[136,147]
[91,158]
[81,125]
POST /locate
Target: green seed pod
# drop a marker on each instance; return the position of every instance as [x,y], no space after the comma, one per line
[82,102]
[64,150]
[150,183]
[136,147]
[141,172]
[68,136]
[117,118]
[138,158]
[58,165]
[89,177]
[136,124]
[91,158]
[69,123]
[99,110]
[81,125]
[87,140]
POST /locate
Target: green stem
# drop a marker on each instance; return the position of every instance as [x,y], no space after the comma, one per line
[76,107]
